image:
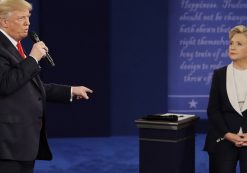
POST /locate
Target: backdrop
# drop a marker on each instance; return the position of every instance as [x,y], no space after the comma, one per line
[139,56]
[198,43]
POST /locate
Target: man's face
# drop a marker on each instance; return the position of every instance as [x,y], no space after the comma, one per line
[17,24]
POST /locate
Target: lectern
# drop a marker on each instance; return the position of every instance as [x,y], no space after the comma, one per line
[167,147]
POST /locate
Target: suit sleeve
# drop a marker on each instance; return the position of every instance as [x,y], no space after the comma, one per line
[57,93]
[215,115]
[13,77]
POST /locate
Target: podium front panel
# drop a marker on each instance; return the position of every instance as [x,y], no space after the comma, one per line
[166,148]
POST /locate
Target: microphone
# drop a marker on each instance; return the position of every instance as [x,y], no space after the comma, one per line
[35,38]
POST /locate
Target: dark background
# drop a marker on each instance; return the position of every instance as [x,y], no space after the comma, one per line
[118,49]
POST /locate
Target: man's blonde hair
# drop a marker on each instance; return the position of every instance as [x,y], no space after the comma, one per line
[239,29]
[6,6]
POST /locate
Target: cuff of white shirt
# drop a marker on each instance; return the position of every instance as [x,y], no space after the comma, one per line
[35,59]
[71,95]
[219,139]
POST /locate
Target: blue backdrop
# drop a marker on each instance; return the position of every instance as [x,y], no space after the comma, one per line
[138,61]
[139,56]
[198,43]
[77,36]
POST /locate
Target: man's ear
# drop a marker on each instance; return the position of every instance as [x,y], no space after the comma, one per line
[3,22]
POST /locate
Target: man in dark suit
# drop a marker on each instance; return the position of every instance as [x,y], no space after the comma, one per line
[22,93]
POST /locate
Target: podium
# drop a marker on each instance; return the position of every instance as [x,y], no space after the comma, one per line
[167,147]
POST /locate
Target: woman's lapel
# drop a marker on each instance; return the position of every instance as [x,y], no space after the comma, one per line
[231,89]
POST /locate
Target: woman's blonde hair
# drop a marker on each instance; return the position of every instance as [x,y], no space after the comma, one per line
[239,29]
[6,6]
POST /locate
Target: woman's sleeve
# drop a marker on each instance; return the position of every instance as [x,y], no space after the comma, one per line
[214,112]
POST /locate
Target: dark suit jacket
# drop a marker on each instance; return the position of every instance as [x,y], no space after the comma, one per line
[224,114]
[22,105]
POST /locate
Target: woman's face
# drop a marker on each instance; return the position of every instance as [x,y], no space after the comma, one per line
[238,47]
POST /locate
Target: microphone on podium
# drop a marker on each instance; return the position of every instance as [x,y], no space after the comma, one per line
[35,38]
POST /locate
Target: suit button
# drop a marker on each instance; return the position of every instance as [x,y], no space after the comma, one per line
[39,98]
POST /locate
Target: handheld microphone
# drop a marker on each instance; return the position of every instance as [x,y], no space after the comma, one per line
[35,38]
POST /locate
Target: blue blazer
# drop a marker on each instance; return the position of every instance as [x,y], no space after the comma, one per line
[224,114]
[22,105]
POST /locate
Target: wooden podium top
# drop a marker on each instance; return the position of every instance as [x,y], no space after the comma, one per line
[183,121]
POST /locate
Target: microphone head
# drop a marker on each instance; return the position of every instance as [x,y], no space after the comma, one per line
[33,36]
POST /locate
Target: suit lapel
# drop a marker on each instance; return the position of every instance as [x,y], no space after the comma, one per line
[231,89]
[13,53]
[10,48]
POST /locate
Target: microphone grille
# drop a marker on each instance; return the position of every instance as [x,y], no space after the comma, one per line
[33,36]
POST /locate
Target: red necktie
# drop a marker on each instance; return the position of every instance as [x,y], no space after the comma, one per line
[20,50]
